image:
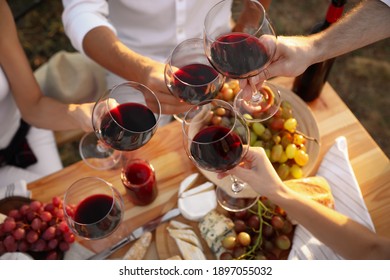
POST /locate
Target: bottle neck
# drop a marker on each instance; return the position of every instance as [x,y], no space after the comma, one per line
[335,11]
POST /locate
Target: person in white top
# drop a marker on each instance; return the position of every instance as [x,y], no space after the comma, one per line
[28,153]
[133,39]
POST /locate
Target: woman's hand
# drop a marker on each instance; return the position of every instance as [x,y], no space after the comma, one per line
[258,172]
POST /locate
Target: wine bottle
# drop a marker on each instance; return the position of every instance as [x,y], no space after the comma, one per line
[309,84]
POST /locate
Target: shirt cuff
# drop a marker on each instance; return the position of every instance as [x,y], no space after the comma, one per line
[80,25]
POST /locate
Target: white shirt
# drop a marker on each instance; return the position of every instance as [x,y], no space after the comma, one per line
[9,112]
[149,27]
[387,2]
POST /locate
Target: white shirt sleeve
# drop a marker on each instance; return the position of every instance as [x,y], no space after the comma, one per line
[79,17]
[387,2]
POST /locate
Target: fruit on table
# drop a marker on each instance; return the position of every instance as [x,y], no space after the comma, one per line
[283,144]
[261,232]
[37,228]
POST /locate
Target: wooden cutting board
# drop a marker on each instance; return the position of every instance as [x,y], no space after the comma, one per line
[166,245]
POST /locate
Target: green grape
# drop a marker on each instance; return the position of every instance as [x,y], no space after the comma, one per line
[258,128]
[229,242]
[290,125]
[267,134]
[283,157]
[283,171]
[283,242]
[296,171]
[253,137]
[298,139]
[301,157]
[291,149]
[276,153]
[258,143]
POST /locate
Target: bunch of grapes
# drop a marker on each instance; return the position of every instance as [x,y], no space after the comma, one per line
[262,232]
[283,144]
[37,228]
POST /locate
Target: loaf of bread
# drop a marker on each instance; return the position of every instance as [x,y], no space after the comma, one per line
[316,188]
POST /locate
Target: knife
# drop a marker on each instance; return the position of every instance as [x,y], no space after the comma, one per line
[150,226]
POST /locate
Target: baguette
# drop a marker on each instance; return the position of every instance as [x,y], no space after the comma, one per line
[315,188]
[139,248]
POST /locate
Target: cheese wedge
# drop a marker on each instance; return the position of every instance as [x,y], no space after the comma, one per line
[189,251]
[188,183]
[187,235]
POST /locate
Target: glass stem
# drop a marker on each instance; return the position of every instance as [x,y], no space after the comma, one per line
[237,185]
[101,147]
[256,95]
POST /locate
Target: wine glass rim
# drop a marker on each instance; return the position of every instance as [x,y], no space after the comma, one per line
[140,85]
[169,64]
[236,114]
[113,192]
[227,43]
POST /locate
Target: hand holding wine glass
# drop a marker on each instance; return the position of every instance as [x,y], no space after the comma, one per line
[241,43]
[216,138]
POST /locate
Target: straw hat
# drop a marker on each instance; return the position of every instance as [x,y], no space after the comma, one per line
[71,78]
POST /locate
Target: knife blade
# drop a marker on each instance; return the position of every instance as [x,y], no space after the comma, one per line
[150,226]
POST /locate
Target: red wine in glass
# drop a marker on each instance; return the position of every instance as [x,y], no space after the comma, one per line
[238,55]
[93,208]
[240,45]
[216,148]
[216,139]
[191,83]
[128,126]
[100,212]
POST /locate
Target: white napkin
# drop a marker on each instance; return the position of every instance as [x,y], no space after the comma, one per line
[337,170]
[18,188]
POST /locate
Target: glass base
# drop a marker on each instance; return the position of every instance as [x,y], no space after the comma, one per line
[260,106]
[236,201]
[97,155]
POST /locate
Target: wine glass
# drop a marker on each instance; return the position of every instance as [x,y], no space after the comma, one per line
[240,43]
[124,119]
[189,75]
[216,139]
[93,208]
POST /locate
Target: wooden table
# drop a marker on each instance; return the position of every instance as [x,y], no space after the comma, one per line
[165,151]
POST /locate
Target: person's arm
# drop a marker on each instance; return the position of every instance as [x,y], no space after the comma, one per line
[36,109]
[86,24]
[367,23]
[345,236]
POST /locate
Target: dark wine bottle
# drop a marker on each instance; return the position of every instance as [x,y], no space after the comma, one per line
[309,84]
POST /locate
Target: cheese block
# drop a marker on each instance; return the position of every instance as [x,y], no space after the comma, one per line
[214,227]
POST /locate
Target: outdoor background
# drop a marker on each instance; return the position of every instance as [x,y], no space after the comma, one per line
[362,78]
